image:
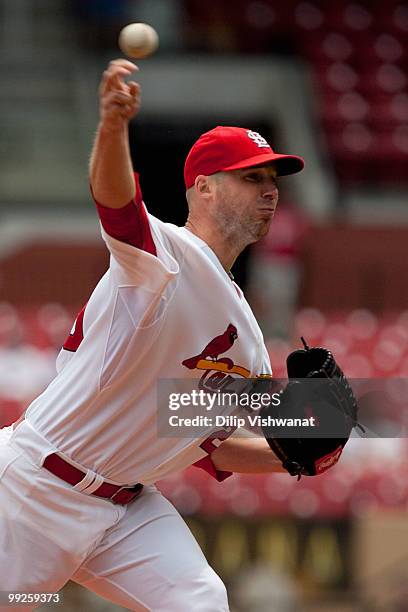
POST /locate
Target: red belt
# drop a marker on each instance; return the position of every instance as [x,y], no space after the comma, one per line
[72,475]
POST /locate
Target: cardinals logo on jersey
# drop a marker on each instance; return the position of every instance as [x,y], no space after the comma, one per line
[209,358]
[217,376]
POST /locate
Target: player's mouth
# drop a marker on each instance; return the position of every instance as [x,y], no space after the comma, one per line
[266,211]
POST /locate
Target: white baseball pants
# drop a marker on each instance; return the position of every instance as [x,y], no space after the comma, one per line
[141,556]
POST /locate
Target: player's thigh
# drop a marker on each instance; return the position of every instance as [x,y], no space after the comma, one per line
[29,561]
[46,528]
[151,561]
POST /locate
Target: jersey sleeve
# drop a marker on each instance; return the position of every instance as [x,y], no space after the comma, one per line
[129,224]
[139,256]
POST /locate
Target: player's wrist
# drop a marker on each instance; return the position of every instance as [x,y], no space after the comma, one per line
[117,126]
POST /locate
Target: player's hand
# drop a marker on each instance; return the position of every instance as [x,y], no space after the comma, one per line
[119,101]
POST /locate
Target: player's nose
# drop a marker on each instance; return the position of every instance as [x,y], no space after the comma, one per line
[270,190]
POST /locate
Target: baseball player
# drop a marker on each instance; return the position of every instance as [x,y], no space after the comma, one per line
[77,493]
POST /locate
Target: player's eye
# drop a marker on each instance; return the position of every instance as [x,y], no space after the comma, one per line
[253,178]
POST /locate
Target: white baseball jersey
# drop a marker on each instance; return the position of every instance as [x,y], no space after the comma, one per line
[147,315]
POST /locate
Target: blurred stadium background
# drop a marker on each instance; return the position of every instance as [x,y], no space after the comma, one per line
[326,80]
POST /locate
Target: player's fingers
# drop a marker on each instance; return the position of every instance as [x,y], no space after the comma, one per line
[134,87]
[112,79]
[119,96]
[116,110]
[114,75]
[128,112]
[118,68]
[134,91]
[133,106]
[125,63]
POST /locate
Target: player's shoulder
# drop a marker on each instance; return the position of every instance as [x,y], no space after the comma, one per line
[164,225]
[170,231]
[158,223]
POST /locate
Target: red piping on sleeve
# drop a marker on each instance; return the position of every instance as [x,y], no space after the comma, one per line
[129,224]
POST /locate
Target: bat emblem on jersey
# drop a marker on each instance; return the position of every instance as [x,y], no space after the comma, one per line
[208,358]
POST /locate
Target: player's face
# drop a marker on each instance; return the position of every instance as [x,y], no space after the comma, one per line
[246,201]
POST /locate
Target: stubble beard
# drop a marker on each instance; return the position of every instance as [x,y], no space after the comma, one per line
[239,231]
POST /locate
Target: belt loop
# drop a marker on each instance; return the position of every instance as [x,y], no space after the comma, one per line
[94,485]
[85,482]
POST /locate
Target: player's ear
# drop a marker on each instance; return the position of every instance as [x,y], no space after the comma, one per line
[202,185]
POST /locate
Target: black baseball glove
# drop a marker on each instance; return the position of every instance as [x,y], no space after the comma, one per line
[317,388]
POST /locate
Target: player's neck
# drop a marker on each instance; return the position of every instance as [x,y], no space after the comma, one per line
[226,250]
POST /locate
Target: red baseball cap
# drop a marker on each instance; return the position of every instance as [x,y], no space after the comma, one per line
[230,148]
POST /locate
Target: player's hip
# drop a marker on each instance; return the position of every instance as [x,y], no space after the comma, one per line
[32,494]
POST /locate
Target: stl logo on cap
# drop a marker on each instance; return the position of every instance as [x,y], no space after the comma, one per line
[258,139]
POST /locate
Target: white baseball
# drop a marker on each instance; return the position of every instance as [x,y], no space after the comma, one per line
[138,40]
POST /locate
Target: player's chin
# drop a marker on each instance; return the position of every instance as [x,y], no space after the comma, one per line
[260,229]
[265,220]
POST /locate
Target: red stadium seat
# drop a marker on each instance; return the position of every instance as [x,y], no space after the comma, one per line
[352,18]
[389,78]
[388,48]
[339,110]
[388,112]
[338,77]
[400,16]
[308,17]
[399,106]
[366,345]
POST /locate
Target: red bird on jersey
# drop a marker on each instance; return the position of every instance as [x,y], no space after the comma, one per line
[220,344]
